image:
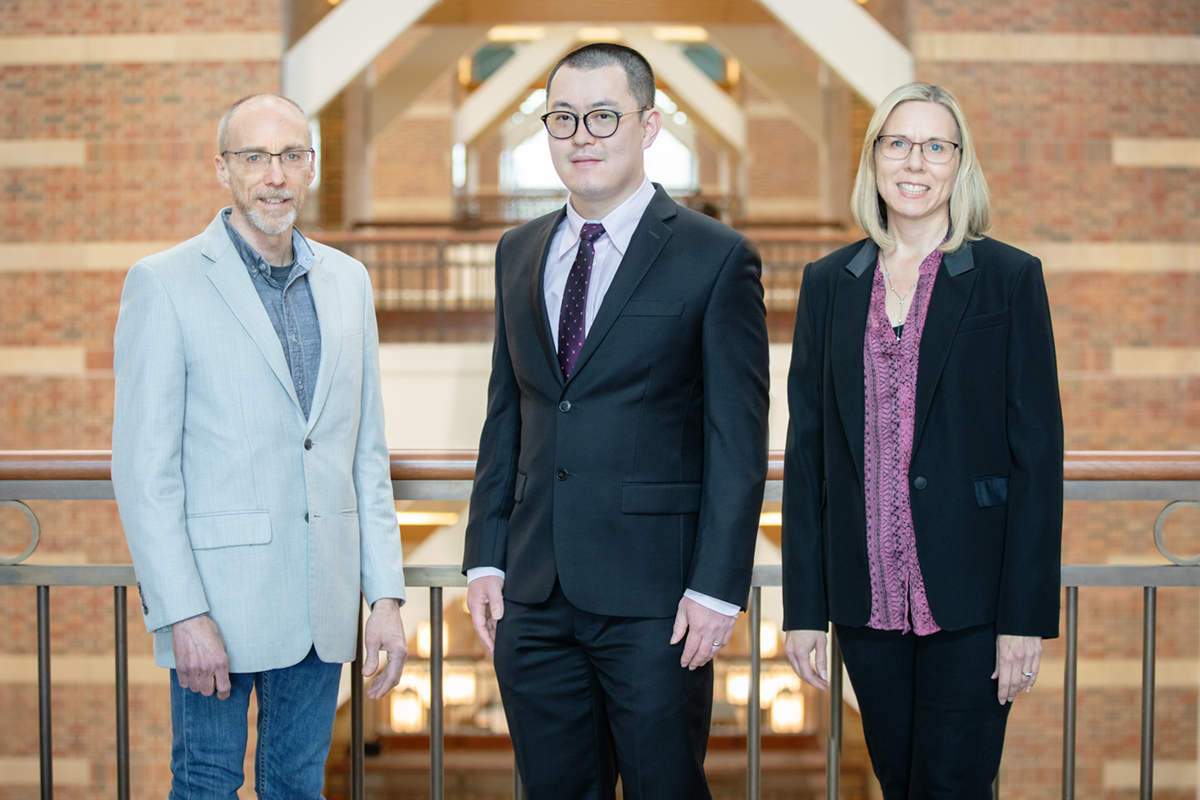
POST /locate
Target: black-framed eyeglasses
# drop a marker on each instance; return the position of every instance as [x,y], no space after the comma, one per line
[257,160]
[600,123]
[935,151]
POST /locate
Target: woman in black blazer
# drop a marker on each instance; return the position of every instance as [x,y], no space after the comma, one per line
[922,506]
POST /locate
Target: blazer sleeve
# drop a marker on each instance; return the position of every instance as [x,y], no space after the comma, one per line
[805,606]
[149,365]
[1030,576]
[499,449]
[735,363]
[382,557]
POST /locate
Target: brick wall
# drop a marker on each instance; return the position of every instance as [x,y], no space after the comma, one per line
[146,175]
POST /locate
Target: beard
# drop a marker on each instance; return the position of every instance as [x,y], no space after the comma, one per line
[271,223]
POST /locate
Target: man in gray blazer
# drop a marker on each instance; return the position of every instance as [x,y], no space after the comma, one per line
[251,470]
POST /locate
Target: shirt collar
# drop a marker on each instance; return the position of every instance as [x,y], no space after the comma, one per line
[619,225]
[256,264]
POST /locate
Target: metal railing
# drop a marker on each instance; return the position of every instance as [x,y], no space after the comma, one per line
[432,270]
[1090,476]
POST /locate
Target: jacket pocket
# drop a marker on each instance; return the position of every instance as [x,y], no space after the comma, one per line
[991,491]
[229,529]
[519,488]
[982,321]
[652,308]
[660,498]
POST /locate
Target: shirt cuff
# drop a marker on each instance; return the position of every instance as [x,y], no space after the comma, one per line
[475,573]
[712,603]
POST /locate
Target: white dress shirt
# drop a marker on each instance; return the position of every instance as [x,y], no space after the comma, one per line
[619,226]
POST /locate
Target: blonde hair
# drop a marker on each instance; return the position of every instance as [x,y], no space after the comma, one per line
[970,209]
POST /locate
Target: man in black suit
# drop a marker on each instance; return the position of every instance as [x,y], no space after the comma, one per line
[621,466]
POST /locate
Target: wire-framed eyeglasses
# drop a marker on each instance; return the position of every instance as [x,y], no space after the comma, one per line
[935,151]
[258,160]
[600,123]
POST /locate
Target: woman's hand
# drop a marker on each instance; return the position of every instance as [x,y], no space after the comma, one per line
[1018,659]
[799,646]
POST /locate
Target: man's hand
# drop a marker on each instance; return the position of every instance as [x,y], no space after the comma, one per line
[201,663]
[707,632]
[1018,659]
[385,631]
[799,646]
[485,601]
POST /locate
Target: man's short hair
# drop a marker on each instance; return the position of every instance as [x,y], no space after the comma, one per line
[603,54]
[223,125]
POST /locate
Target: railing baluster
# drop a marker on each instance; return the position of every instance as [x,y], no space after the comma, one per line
[357,763]
[1070,693]
[1149,622]
[121,645]
[833,754]
[754,711]
[437,710]
[43,642]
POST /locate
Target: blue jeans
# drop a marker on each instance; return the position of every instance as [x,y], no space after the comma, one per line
[296,706]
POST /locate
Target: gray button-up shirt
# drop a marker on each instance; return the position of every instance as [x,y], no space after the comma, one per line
[290,306]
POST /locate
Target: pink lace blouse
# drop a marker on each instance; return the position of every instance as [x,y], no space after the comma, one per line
[898,599]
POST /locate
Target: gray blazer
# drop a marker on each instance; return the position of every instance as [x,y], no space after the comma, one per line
[232,502]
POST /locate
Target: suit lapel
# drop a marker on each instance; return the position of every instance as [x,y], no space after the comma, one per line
[329,319]
[232,281]
[648,241]
[852,300]
[951,291]
[538,254]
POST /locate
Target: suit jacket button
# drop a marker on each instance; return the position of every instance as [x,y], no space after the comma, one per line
[308,444]
[306,516]
[920,483]
[564,406]
[561,474]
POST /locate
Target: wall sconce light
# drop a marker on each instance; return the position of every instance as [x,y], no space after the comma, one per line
[787,713]
[425,639]
[408,713]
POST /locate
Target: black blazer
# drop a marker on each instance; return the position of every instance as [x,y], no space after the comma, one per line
[642,475]
[985,477]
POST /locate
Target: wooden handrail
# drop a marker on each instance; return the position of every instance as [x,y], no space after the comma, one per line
[459,465]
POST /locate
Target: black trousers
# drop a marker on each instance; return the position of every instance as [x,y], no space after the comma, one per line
[933,725]
[589,697]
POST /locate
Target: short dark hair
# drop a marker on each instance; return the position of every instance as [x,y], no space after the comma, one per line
[603,54]
[223,125]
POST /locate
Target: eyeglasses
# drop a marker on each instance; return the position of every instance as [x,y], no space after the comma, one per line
[259,160]
[600,123]
[935,151]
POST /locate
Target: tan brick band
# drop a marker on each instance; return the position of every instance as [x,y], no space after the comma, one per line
[82,670]
[1183,153]
[26,771]
[28,153]
[142,48]
[1057,47]
[76,257]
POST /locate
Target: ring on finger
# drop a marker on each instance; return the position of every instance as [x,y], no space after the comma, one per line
[1027,674]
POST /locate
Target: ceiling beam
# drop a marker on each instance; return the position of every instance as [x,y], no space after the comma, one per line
[509,84]
[342,45]
[852,42]
[395,91]
[758,50]
[692,86]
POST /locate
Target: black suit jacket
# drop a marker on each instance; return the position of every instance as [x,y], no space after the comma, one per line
[985,478]
[642,475]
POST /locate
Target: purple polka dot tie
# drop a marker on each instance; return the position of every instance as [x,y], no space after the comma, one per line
[574,301]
